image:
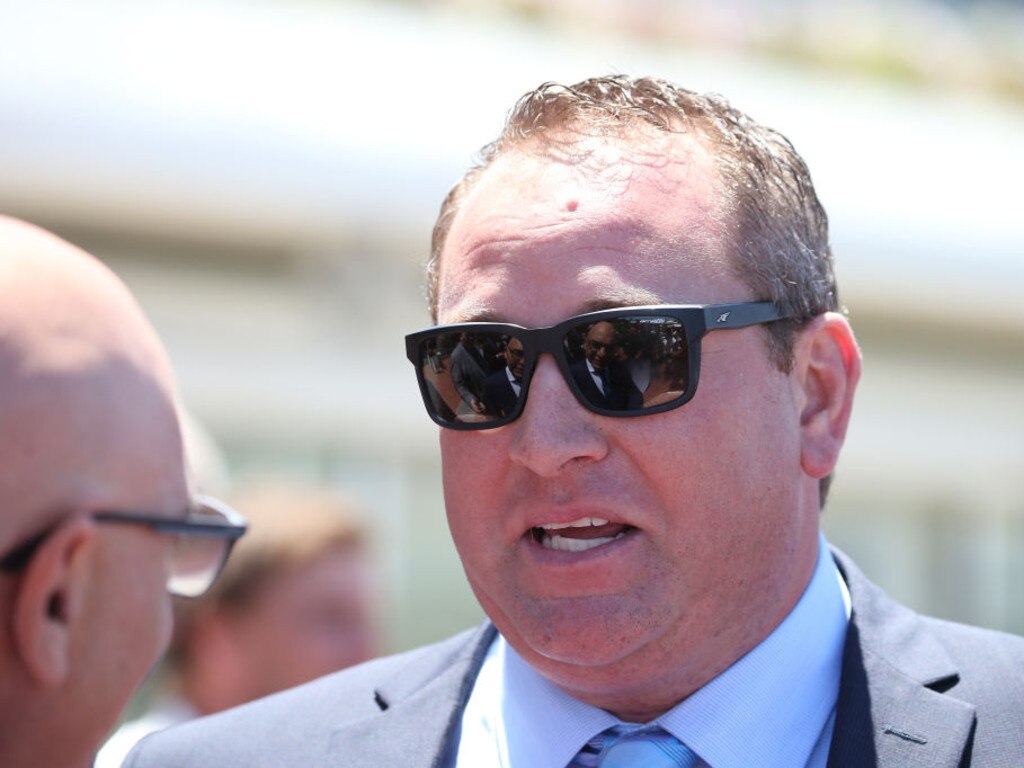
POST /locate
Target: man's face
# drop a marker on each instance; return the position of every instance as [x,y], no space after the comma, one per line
[599,345]
[716,548]
[514,357]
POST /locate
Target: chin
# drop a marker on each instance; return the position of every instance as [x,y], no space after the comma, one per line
[588,634]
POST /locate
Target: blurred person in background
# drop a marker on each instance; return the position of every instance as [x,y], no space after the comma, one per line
[296,601]
[97,524]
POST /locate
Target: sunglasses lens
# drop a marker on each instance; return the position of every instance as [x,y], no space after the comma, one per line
[471,378]
[629,364]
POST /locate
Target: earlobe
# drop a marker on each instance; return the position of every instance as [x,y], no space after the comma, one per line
[49,602]
[828,365]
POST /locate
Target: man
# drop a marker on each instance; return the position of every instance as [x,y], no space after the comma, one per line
[295,602]
[95,523]
[470,366]
[604,379]
[502,388]
[659,589]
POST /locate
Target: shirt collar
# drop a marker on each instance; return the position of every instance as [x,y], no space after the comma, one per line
[512,380]
[516,717]
[793,674]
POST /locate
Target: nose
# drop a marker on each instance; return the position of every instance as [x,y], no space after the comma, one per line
[554,431]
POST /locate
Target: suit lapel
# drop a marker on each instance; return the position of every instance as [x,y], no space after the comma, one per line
[421,710]
[892,709]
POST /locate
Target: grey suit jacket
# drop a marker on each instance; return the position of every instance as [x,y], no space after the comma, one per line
[915,692]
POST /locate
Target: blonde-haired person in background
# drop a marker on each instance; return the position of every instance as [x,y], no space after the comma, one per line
[296,602]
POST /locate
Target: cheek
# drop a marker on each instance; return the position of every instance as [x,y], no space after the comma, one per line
[144,618]
[724,461]
[157,604]
[472,469]
[165,622]
[147,584]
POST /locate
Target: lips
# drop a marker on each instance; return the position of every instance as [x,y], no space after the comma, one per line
[579,535]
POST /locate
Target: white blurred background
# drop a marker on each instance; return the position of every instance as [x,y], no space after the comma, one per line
[264,175]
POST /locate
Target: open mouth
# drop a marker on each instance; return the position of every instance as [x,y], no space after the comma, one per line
[579,535]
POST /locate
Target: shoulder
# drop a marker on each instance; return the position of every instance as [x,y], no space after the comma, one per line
[983,659]
[990,664]
[295,727]
[915,687]
[496,379]
[579,368]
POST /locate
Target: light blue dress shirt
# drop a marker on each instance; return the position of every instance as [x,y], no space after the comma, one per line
[773,708]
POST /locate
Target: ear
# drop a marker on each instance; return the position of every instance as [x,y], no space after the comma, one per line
[50,601]
[827,364]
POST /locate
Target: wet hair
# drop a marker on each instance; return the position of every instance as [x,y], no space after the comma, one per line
[777,226]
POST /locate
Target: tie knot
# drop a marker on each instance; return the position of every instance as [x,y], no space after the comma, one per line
[650,747]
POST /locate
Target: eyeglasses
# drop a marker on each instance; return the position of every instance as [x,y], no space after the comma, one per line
[200,543]
[632,361]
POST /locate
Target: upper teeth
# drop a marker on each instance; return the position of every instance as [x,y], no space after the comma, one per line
[583,522]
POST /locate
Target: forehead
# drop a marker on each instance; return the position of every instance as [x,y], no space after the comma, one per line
[586,223]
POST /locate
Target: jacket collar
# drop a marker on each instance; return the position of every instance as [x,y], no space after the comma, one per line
[894,706]
[893,709]
[421,708]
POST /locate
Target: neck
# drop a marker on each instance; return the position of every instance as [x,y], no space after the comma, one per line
[25,744]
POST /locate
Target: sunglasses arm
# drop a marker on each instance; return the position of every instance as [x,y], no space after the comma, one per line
[741,315]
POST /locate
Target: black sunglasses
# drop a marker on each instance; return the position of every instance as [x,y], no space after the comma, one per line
[201,543]
[632,361]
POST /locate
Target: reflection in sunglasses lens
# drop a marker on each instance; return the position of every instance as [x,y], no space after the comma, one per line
[472,377]
[619,364]
[630,363]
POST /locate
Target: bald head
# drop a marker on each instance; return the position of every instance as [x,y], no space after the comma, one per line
[81,374]
[88,423]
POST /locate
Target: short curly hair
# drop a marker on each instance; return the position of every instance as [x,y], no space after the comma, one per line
[778,226]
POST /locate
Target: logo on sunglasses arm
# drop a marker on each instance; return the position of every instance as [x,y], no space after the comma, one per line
[723,317]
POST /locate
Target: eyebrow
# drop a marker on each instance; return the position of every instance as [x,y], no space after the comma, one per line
[633,297]
[629,298]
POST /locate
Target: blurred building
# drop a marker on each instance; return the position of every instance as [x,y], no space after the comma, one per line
[265,176]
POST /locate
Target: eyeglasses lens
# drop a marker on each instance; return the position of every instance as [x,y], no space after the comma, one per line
[196,560]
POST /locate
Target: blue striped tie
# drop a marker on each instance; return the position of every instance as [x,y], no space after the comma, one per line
[650,747]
